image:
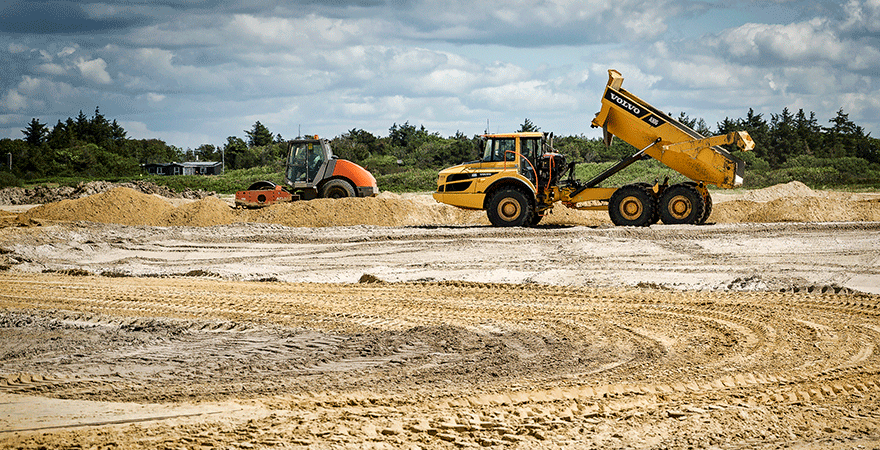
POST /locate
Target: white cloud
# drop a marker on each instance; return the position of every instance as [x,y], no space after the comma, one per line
[862,17]
[94,70]
[51,69]
[67,51]
[14,101]
[792,42]
[15,47]
[448,64]
[532,95]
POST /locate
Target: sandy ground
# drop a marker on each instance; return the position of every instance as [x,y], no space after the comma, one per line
[440,331]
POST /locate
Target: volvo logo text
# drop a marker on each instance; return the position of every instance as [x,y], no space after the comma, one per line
[624,103]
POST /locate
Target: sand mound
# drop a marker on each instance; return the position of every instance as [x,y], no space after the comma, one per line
[791,202]
[386,210]
[790,189]
[119,205]
[798,209]
[205,212]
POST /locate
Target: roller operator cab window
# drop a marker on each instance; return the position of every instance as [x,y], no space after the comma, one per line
[305,160]
[499,150]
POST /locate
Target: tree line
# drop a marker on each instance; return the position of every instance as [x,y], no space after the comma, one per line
[839,152]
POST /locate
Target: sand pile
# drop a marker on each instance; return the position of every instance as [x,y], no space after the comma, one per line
[43,194]
[119,205]
[791,202]
[386,210]
[796,202]
[790,189]
[129,207]
[205,212]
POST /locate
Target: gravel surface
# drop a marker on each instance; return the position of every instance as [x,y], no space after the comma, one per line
[440,335]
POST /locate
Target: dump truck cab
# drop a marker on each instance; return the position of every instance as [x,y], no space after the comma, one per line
[506,181]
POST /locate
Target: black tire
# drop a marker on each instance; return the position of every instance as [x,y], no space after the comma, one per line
[337,189]
[536,219]
[262,186]
[681,204]
[707,203]
[650,188]
[632,205]
[707,209]
[509,208]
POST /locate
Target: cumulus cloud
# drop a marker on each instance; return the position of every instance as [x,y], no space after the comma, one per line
[450,64]
[94,70]
[771,43]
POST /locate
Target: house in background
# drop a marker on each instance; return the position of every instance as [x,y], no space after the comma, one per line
[184,168]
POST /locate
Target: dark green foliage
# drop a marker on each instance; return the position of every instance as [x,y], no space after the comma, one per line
[9,180]
[83,147]
[259,135]
[411,180]
[528,126]
[358,145]
[239,155]
[35,133]
[789,146]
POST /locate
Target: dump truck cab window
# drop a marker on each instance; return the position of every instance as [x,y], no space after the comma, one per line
[529,154]
[499,149]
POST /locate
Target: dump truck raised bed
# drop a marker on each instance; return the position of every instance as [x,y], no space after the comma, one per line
[520,177]
[312,171]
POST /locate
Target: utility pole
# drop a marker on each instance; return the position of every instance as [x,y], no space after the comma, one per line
[9,155]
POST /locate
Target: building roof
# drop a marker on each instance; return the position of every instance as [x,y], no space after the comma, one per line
[187,164]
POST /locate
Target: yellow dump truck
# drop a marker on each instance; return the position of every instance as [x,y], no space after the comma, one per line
[520,177]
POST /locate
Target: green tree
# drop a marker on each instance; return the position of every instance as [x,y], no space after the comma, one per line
[578,148]
[782,139]
[528,126]
[259,135]
[236,151]
[35,134]
[809,134]
[207,152]
[698,125]
[61,136]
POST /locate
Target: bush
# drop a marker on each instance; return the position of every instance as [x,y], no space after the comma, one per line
[381,164]
[647,171]
[228,183]
[753,162]
[413,180]
[9,180]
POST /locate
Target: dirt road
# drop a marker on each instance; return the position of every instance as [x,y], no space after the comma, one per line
[260,335]
[433,365]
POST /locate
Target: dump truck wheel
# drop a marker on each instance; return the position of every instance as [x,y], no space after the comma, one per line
[707,202]
[509,208]
[262,186]
[650,189]
[707,209]
[536,219]
[632,205]
[681,204]
[337,189]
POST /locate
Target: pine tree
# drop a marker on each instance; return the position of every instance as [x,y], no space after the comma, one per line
[35,133]
[528,126]
[259,135]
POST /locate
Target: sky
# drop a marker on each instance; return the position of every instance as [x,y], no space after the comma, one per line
[198,71]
